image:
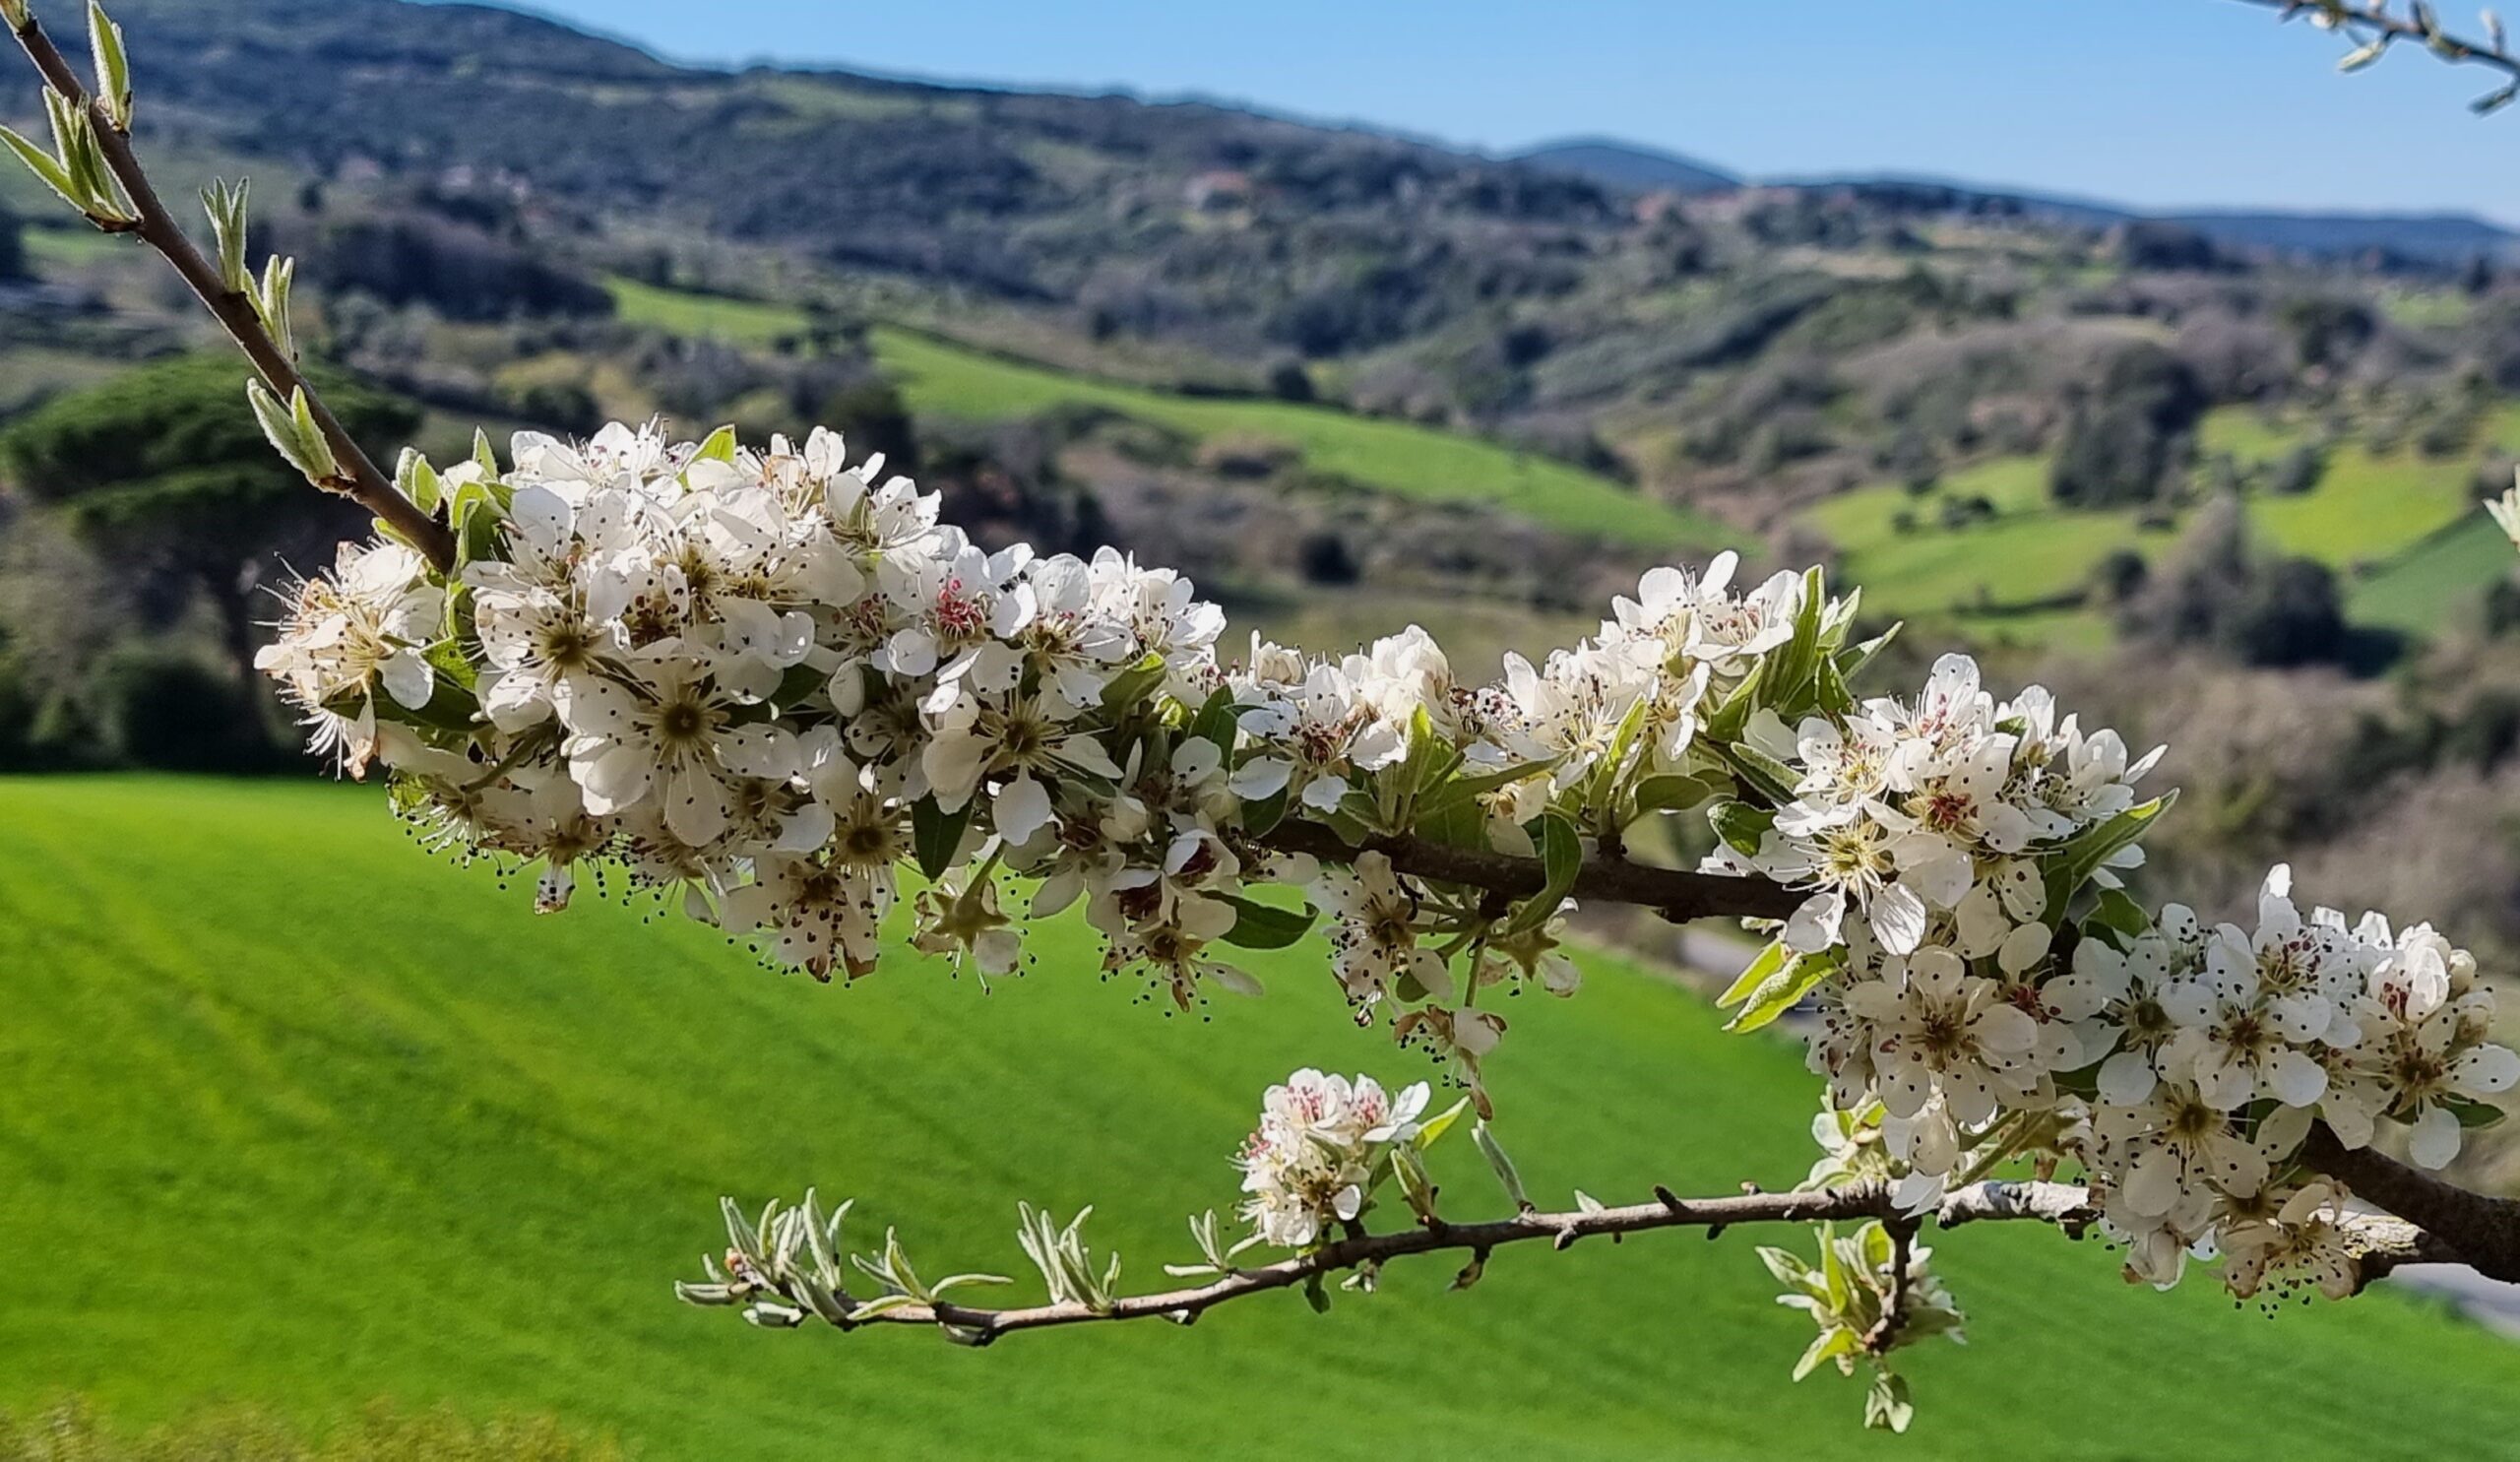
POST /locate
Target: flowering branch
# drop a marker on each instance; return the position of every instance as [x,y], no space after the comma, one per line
[95,138]
[2374,26]
[767,682]
[2384,1245]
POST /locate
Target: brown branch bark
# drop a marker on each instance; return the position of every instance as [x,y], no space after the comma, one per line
[363,482]
[2457,1226]
[2390,1244]
[1676,895]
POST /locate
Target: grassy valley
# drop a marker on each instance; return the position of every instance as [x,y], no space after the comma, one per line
[307,1117]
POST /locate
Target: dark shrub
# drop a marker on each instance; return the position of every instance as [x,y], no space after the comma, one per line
[169,710]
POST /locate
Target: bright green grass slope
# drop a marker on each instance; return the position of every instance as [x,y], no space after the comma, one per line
[296,1113]
[1396,457]
[2427,585]
[2404,531]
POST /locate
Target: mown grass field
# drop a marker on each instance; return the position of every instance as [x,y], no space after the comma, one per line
[2404,534]
[300,1115]
[940,378]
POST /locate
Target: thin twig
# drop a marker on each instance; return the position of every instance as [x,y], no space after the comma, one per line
[2378,27]
[361,481]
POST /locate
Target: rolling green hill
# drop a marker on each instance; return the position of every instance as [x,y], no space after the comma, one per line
[298,1115]
[2403,532]
[940,378]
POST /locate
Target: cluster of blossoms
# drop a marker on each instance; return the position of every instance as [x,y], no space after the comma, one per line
[2180,1067]
[765,682]
[2226,1044]
[1312,1161]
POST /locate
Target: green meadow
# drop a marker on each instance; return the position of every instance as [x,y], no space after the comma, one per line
[941,378]
[1394,457]
[302,1116]
[2404,534]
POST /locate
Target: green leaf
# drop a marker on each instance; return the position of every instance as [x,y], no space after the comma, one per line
[73,136]
[936,835]
[291,431]
[1829,688]
[44,166]
[1782,989]
[1886,1406]
[801,683]
[478,524]
[1484,782]
[1453,822]
[1430,757]
[1441,1122]
[719,447]
[1725,724]
[302,413]
[1827,1346]
[2072,861]
[113,65]
[270,304]
[226,204]
[2119,911]
[1767,963]
[1215,722]
[1741,826]
[1671,792]
[1261,817]
[1131,685]
[1789,1267]
[1852,663]
[416,481]
[1878,1249]
[1789,681]
[1499,1164]
[1767,775]
[445,657]
[2472,1112]
[1257,926]
[1561,856]
[1833,1269]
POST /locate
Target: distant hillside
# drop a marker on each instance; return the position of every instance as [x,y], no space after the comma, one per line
[2431,237]
[1622,164]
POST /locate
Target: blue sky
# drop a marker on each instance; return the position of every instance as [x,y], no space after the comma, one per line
[2160,102]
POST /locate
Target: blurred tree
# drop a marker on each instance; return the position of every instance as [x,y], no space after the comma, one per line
[13,248]
[163,470]
[2123,445]
[2219,591]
